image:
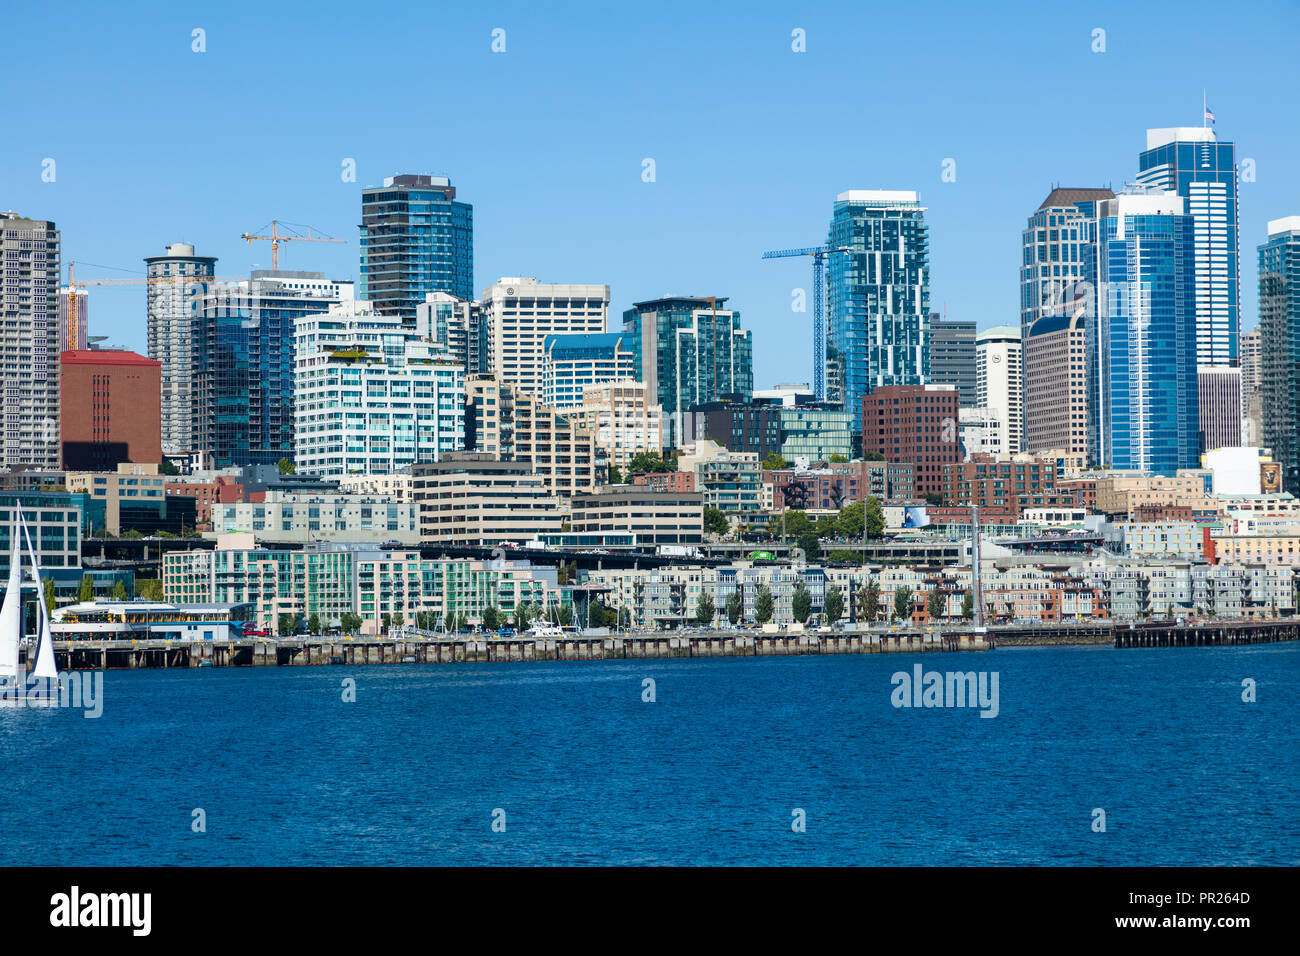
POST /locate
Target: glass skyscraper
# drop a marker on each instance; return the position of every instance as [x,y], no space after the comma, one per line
[416,238]
[1279,333]
[1146,416]
[877,296]
[688,351]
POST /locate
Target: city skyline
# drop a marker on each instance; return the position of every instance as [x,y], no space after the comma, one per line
[581,211]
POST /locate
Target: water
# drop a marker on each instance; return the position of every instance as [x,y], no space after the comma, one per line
[411,772]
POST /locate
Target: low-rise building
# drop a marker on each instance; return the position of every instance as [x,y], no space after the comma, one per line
[301,519]
[654,517]
[473,498]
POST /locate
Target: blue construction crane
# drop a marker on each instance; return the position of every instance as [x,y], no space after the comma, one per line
[818,254]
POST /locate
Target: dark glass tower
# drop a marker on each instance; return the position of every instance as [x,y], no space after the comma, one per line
[1279,332]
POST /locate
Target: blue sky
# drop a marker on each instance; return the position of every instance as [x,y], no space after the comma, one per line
[154,143]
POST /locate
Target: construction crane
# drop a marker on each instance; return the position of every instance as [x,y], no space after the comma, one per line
[276,237]
[818,255]
[74,284]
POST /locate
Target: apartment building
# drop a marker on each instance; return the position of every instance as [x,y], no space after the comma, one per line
[471,498]
[655,517]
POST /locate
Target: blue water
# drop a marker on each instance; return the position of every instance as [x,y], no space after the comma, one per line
[411,772]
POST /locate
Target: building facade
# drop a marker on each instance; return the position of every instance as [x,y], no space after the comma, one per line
[572,363]
[655,517]
[1000,380]
[916,424]
[1279,330]
[520,314]
[623,419]
[1056,385]
[468,498]
[29,338]
[112,410]
[952,357]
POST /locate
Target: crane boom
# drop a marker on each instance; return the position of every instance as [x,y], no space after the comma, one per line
[276,237]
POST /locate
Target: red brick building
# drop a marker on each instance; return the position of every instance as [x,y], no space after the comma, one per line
[111,412]
[680,481]
[916,424]
[223,489]
[1012,485]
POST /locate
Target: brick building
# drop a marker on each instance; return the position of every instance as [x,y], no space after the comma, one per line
[1022,482]
[917,424]
[111,409]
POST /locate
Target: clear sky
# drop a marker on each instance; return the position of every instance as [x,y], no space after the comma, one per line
[153,143]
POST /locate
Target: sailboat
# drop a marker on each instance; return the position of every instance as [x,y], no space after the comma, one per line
[11,674]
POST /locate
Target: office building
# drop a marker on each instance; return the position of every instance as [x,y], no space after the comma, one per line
[112,410]
[654,517]
[1279,330]
[730,481]
[1056,385]
[788,423]
[135,499]
[689,351]
[416,238]
[623,420]
[1000,380]
[571,363]
[1219,403]
[29,339]
[474,499]
[371,397]
[519,314]
[1147,416]
[877,297]
[952,357]
[1053,278]
[1252,408]
[916,424]
[171,307]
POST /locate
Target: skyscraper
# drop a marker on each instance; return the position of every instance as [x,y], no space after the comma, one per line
[1147,414]
[416,238]
[689,350]
[170,316]
[1000,380]
[1191,162]
[877,296]
[1279,330]
[1248,353]
[1056,385]
[952,356]
[29,337]
[244,363]
[456,326]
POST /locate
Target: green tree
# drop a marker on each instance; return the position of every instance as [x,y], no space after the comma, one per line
[933,498]
[286,466]
[491,618]
[801,604]
[564,615]
[935,603]
[967,606]
[869,601]
[615,476]
[848,524]
[734,606]
[387,622]
[647,462]
[797,523]
[399,619]
[350,622]
[285,625]
[49,595]
[838,459]
[523,614]
[151,589]
[313,623]
[705,610]
[811,547]
[774,462]
[715,522]
[834,603]
[165,467]
[119,591]
[87,590]
[904,600]
[764,607]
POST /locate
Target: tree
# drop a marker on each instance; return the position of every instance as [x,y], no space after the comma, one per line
[774,462]
[763,604]
[491,618]
[715,522]
[615,476]
[387,621]
[801,604]
[165,467]
[87,590]
[350,622]
[49,594]
[936,602]
[967,606]
[811,547]
[705,610]
[286,466]
[838,459]
[734,606]
[834,604]
[869,601]
[904,600]
[150,589]
[933,498]
[848,523]
[313,623]
[647,462]
[564,615]
[873,456]
[523,614]
[797,523]
[285,625]
[119,591]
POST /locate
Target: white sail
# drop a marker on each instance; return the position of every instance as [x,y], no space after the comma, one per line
[44,641]
[11,615]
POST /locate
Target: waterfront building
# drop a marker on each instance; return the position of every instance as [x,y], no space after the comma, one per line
[284,518]
[689,351]
[170,313]
[29,339]
[416,238]
[916,424]
[1000,380]
[520,314]
[112,409]
[877,297]
[654,517]
[150,621]
[370,396]
[469,498]
[1147,415]
[1279,330]
[512,424]
[56,521]
[952,357]
[623,420]
[572,363]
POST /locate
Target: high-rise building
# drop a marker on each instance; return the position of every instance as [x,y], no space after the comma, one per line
[1279,331]
[243,370]
[416,238]
[29,336]
[456,328]
[1000,380]
[1248,352]
[519,314]
[877,296]
[689,351]
[1218,400]
[171,307]
[111,403]
[915,424]
[952,357]
[571,363]
[1056,385]
[1147,415]
[624,419]
[74,319]
[370,396]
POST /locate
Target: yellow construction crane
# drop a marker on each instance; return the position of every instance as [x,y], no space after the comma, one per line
[74,284]
[276,237]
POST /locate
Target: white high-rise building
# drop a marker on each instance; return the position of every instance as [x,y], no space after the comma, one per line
[370,396]
[29,340]
[171,309]
[518,315]
[1000,380]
